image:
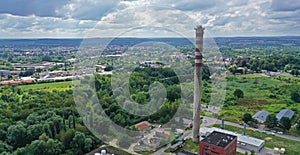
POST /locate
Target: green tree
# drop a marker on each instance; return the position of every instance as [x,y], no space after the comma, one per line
[271,121]
[233,69]
[5,147]
[295,96]
[173,127]
[34,131]
[46,58]
[46,146]
[298,126]
[295,72]
[108,68]
[67,137]
[119,119]
[238,93]
[247,117]
[17,135]
[74,121]
[141,97]
[88,144]
[77,143]
[285,123]
[22,151]
[173,92]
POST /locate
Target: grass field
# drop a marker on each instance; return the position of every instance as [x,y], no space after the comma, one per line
[191,146]
[292,147]
[64,85]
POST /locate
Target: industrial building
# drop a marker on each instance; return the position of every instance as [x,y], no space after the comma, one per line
[218,143]
[261,116]
[285,113]
[243,141]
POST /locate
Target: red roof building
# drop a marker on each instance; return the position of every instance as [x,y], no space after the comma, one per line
[218,143]
[142,125]
[16,82]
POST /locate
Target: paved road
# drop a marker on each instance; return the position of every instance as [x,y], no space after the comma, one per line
[161,151]
[212,121]
[264,151]
[130,149]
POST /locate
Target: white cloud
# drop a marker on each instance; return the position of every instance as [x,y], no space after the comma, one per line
[220,17]
[34,26]
[145,21]
[43,8]
[87,9]
[286,5]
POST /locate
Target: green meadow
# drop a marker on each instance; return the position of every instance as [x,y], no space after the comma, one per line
[61,86]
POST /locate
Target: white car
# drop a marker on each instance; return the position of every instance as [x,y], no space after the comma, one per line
[273,133]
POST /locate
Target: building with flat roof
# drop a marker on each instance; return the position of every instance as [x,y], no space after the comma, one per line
[243,141]
[218,143]
[261,116]
[285,113]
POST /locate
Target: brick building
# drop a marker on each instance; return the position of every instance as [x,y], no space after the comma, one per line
[218,143]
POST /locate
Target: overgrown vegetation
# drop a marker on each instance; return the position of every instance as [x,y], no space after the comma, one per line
[269,93]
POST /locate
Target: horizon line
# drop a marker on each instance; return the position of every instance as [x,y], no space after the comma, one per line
[27,38]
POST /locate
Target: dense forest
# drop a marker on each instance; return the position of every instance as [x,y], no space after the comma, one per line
[42,122]
[271,63]
[45,121]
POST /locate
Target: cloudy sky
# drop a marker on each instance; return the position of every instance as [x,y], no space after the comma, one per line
[147,18]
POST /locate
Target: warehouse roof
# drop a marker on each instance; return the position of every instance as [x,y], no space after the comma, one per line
[285,113]
[241,138]
[261,116]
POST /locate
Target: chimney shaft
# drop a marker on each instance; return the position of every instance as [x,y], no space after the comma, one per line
[198,82]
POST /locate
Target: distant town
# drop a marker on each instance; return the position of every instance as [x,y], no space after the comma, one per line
[260,114]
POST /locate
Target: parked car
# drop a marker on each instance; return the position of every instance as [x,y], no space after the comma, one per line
[273,133]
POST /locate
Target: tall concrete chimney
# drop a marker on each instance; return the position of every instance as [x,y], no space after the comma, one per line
[198,82]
